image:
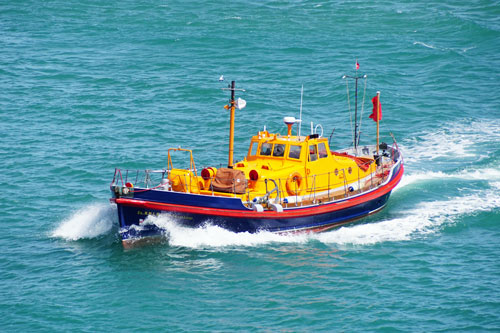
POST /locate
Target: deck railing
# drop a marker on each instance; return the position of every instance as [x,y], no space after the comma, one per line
[308,192]
[145,179]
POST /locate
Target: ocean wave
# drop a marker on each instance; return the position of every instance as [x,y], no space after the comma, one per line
[429,46]
[425,45]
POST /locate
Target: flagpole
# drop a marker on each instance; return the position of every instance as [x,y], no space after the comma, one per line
[378,118]
[356,114]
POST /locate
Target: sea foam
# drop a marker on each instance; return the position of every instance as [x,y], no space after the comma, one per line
[455,141]
[89,222]
[425,218]
[487,174]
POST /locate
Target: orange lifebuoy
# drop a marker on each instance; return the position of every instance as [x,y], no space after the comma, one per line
[294,184]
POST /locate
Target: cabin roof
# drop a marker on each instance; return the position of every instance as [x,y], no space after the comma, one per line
[294,148]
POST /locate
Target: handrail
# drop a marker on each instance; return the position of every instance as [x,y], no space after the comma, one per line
[323,192]
[170,165]
[313,189]
[119,179]
[397,148]
[189,180]
[345,183]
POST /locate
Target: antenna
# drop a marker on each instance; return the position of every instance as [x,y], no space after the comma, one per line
[330,138]
[300,114]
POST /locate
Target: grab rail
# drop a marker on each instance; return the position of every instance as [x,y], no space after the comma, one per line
[149,179]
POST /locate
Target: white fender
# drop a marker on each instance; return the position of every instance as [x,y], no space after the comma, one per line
[276,208]
[257,207]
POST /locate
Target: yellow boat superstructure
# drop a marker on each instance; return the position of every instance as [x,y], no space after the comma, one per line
[300,165]
[294,169]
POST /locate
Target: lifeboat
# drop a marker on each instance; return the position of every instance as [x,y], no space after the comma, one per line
[285,183]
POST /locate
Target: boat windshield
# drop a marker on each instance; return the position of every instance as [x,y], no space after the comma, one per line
[265,149]
[294,151]
[313,153]
[279,150]
[322,150]
[253,148]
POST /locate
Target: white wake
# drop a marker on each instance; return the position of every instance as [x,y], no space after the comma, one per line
[487,174]
[425,218]
[459,142]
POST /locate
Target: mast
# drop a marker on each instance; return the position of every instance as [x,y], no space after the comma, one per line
[356,130]
[233,104]
[231,127]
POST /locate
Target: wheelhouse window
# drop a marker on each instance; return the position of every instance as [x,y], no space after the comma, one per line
[279,150]
[265,149]
[294,151]
[322,150]
[313,153]
[253,148]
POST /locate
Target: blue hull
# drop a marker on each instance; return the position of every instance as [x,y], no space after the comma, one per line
[135,216]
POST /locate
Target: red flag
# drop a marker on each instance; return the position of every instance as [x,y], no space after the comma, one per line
[357,65]
[376,117]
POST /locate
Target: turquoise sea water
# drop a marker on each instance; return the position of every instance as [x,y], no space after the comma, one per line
[88,86]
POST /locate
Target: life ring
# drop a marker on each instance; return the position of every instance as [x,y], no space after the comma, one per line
[294,184]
